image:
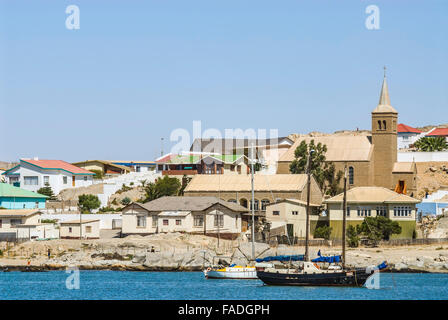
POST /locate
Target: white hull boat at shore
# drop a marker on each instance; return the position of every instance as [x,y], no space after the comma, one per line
[236,272]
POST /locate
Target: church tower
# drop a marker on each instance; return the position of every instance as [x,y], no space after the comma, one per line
[384,139]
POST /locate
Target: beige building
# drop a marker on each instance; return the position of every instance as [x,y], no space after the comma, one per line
[206,215]
[371,202]
[290,214]
[371,160]
[106,167]
[71,229]
[25,224]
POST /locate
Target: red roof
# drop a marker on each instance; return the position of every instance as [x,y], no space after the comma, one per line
[402,128]
[438,132]
[57,164]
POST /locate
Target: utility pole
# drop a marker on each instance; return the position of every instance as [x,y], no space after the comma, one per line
[308,196]
[253,202]
[344,216]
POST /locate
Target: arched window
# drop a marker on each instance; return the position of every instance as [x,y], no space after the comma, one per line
[264,203]
[379,124]
[243,202]
[351,175]
[384,125]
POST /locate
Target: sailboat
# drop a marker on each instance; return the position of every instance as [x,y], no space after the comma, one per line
[234,271]
[309,273]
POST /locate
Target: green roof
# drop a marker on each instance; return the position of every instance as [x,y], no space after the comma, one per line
[7,190]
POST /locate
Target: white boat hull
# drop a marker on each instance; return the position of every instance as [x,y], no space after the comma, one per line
[243,273]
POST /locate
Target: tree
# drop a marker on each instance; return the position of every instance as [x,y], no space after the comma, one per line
[323,172]
[429,144]
[352,237]
[47,191]
[378,228]
[98,174]
[125,201]
[88,202]
[323,232]
[162,187]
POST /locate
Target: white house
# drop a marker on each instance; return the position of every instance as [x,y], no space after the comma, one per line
[33,174]
[407,135]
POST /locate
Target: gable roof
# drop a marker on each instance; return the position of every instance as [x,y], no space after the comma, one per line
[196,158]
[404,167]
[57,165]
[229,145]
[7,190]
[102,162]
[402,128]
[339,148]
[372,195]
[438,132]
[173,203]
[232,183]
[18,212]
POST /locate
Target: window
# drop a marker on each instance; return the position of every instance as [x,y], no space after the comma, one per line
[381,211]
[36,205]
[219,218]
[275,213]
[154,221]
[232,167]
[351,175]
[264,203]
[295,213]
[165,222]
[141,221]
[69,229]
[30,181]
[64,179]
[232,200]
[46,180]
[379,124]
[348,211]
[198,221]
[178,222]
[256,205]
[402,211]
[85,178]
[384,125]
[364,212]
[16,221]
[88,229]
[0,223]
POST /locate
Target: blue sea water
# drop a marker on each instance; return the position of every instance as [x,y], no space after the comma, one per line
[99,285]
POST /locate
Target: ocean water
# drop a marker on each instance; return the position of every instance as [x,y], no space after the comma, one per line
[99,285]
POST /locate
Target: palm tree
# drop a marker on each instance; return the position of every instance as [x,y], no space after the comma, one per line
[429,144]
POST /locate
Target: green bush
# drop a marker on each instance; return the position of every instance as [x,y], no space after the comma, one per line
[352,237]
[88,202]
[47,191]
[323,232]
[98,174]
[125,201]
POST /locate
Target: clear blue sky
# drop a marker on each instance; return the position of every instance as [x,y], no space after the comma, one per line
[136,70]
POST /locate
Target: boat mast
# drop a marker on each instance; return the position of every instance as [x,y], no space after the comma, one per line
[253,202]
[308,195]
[344,213]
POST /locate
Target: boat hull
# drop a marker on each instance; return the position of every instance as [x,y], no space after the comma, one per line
[214,274]
[355,278]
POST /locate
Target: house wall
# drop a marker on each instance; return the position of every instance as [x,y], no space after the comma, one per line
[335,215]
[64,230]
[404,140]
[232,221]
[22,203]
[42,231]
[6,222]
[440,156]
[298,221]
[56,178]
[410,180]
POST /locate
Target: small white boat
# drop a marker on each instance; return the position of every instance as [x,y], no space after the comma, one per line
[231,272]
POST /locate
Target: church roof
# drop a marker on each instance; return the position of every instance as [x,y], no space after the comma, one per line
[384,103]
[339,148]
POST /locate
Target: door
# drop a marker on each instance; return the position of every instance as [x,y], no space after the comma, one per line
[290,231]
[73,181]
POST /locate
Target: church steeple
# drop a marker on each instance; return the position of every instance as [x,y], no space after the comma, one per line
[384,103]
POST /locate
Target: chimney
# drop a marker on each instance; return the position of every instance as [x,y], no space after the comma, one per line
[36,158]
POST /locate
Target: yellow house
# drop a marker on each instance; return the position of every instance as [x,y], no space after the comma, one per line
[371,202]
[71,229]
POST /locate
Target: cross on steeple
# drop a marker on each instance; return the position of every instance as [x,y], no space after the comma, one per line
[384,71]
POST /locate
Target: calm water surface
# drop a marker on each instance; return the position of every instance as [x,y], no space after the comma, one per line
[192,285]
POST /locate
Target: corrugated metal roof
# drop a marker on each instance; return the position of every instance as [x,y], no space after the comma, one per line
[7,190]
[56,164]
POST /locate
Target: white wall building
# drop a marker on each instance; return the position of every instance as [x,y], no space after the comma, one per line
[33,174]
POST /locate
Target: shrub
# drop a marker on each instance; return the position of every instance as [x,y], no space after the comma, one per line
[352,237]
[125,201]
[98,174]
[88,202]
[323,232]
[47,191]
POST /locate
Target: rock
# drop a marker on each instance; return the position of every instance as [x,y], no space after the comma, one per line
[139,258]
[401,266]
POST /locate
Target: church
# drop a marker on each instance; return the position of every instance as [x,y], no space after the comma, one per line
[371,159]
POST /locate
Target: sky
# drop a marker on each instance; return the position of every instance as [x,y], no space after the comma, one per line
[135,71]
